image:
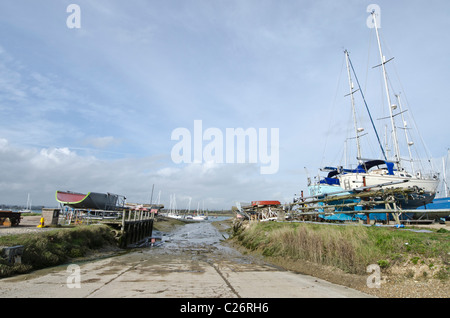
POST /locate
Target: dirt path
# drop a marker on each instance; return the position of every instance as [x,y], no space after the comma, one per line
[190,263]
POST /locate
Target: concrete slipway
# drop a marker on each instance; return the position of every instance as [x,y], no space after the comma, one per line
[190,263]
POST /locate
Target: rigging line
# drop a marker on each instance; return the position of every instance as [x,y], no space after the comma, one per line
[446,185]
[368,58]
[331,114]
[411,114]
[370,116]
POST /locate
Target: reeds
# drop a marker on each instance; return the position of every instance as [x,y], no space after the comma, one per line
[350,248]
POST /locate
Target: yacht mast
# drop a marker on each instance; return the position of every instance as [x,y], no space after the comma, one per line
[405,127]
[357,130]
[444,167]
[189,206]
[383,62]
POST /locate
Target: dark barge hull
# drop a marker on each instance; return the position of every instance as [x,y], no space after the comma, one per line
[92,200]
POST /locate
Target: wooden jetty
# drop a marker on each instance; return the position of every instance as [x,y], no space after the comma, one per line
[132,222]
[134,226]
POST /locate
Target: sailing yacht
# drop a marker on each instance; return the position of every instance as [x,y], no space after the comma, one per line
[443,201]
[28,208]
[200,216]
[374,172]
[173,212]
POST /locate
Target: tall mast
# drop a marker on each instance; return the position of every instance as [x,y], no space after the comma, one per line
[350,83]
[383,62]
[405,127]
[444,167]
[386,144]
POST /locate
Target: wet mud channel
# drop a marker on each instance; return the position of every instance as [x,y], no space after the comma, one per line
[192,261]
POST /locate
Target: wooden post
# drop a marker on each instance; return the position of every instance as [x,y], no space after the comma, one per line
[123,220]
[387,206]
[367,218]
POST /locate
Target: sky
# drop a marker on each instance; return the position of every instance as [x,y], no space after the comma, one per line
[90,98]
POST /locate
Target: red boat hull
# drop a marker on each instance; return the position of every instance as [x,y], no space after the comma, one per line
[92,200]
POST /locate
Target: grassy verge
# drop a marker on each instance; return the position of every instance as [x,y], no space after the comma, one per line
[166,224]
[55,247]
[349,248]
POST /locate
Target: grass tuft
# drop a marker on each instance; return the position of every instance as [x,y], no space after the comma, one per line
[55,247]
[350,248]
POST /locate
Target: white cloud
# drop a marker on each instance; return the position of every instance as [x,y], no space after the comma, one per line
[41,172]
[117,87]
[102,142]
[167,172]
[54,156]
[3,143]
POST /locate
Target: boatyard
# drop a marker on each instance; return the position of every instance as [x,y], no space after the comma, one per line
[209,259]
[364,205]
[283,195]
[191,262]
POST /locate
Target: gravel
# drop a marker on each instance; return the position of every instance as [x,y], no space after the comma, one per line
[28,224]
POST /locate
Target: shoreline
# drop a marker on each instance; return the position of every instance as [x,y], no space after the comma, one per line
[406,279]
[395,282]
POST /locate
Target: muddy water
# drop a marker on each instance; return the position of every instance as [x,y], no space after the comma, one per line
[198,236]
[192,235]
[199,241]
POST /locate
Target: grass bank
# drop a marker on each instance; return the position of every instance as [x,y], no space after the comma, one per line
[55,247]
[348,248]
[166,224]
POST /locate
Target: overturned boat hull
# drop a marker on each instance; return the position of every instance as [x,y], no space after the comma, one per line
[92,200]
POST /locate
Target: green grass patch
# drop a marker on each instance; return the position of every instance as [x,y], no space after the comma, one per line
[350,248]
[55,247]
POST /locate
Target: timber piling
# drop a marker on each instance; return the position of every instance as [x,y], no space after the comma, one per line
[135,226]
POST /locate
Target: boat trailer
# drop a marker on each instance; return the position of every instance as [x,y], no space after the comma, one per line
[9,218]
